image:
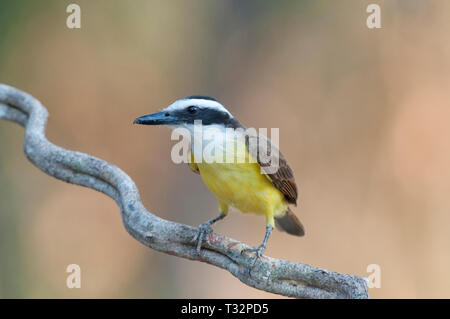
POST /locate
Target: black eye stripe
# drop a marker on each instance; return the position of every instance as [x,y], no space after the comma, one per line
[192,109]
[206,115]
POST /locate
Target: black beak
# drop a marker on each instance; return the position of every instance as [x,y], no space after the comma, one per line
[159,118]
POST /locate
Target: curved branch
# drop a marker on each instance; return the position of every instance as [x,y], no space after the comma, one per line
[269,274]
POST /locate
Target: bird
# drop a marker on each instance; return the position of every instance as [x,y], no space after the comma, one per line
[245,182]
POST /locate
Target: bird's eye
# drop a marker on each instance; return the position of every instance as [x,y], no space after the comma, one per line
[192,109]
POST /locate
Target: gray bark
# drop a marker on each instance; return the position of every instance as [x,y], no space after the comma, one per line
[269,274]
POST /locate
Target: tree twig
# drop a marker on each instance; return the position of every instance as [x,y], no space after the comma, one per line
[269,274]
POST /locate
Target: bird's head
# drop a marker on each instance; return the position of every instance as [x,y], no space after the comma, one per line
[185,111]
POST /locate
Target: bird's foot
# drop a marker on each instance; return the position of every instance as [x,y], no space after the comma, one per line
[259,251]
[202,234]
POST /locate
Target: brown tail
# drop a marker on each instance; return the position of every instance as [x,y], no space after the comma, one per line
[290,224]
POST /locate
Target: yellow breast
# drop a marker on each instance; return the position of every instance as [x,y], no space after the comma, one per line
[243,186]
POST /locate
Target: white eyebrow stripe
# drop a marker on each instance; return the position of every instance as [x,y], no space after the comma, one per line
[183,103]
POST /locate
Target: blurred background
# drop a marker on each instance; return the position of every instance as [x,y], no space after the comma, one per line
[363,117]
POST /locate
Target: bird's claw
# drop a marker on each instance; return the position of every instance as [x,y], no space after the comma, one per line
[259,251]
[202,234]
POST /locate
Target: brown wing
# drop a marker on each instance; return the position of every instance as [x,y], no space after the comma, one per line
[267,155]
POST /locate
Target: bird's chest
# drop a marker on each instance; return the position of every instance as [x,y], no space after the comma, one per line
[224,165]
[236,180]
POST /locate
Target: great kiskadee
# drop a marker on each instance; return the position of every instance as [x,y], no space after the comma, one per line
[246,185]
